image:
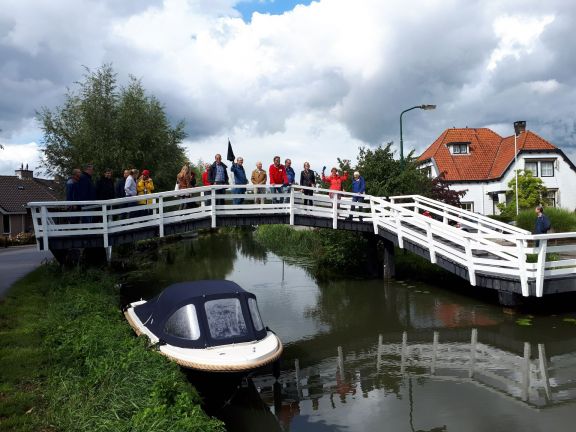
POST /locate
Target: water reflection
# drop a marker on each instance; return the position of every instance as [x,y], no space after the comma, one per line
[366,355]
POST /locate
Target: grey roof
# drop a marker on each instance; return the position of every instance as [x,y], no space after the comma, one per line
[15,193]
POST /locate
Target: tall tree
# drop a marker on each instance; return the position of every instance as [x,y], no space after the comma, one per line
[111,127]
[385,176]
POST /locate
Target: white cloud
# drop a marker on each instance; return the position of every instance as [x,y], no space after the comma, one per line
[14,155]
[311,83]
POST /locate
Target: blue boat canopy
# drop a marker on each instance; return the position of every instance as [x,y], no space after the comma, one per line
[203,314]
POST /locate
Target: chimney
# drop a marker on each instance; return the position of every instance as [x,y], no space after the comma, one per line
[24,173]
[519,127]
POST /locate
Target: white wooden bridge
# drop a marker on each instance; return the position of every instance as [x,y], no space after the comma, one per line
[486,252]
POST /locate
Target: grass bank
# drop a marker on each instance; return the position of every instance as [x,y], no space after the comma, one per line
[69,362]
[333,250]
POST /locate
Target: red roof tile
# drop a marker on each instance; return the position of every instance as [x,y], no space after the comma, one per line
[489,155]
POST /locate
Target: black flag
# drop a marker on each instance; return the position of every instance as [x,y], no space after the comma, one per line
[230,156]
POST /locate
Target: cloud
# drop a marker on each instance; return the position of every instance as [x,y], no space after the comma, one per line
[333,73]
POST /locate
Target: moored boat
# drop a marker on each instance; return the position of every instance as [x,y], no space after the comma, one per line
[210,325]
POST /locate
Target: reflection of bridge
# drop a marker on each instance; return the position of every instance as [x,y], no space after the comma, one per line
[481,250]
[532,379]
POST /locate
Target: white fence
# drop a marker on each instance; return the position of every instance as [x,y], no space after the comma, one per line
[478,243]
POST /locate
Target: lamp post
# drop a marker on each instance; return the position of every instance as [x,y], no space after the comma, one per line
[519,127]
[423,107]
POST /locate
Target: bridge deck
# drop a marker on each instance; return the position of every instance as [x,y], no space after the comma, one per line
[484,251]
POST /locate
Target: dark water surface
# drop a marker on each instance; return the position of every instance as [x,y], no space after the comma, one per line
[370,355]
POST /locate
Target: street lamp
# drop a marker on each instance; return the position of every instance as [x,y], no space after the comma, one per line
[423,107]
[519,127]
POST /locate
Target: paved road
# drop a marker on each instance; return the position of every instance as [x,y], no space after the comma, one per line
[16,262]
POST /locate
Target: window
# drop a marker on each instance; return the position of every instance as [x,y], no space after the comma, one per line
[532,167]
[459,148]
[225,319]
[184,323]
[547,168]
[6,224]
[467,206]
[550,198]
[255,314]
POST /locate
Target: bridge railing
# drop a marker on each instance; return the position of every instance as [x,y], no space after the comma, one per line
[475,242]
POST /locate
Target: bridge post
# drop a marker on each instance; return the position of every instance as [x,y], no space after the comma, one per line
[161,217]
[389,266]
[541,267]
[44,216]
[105,224]
[213,207]
[335,211]
[291,206]
[522,267]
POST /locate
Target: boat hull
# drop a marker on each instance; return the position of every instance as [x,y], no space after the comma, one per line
[239,357]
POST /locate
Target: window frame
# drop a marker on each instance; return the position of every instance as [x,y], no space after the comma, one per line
[471,203]
[542,169]
[532,162]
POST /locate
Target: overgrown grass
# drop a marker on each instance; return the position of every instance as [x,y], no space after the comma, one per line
[70,362]
[337,250]
[562,220]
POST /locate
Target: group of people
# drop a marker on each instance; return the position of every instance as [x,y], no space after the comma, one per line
[81,187]
[281,179]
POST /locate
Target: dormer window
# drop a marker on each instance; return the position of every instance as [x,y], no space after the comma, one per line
[459,148]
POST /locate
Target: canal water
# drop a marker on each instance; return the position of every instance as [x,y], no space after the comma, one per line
[371,355]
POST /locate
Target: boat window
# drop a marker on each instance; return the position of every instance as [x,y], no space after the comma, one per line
[225,319]
[255,313]
[184,323]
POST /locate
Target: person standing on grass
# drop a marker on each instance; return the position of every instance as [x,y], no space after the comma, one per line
[259,177]
[308,178]
[542,224]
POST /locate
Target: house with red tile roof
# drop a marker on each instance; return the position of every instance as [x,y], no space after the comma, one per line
[15,193]
[482,162]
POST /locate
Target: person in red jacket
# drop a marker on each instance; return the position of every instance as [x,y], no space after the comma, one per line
[205,174]
[334,180]
[278,178]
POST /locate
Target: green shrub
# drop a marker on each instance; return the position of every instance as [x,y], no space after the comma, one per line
[562,220]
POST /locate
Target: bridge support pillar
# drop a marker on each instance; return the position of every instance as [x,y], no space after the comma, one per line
[388,265]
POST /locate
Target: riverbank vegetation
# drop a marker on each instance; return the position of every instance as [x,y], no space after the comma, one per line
[561,220]
[338,252]
[69,362]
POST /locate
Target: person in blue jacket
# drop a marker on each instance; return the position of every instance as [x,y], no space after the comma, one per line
[291,175]
[359,188]
[239,179]
[542,224]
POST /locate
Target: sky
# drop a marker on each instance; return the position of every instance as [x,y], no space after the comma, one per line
[306,80]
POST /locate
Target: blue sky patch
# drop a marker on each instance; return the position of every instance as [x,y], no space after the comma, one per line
[272,7]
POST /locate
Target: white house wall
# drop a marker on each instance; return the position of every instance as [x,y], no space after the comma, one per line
[564,181]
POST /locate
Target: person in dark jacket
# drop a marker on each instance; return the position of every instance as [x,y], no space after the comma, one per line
[72,192]
[72,185]
[542,224]
[86,189]
[239,179]
[119,186]
[218,175]
[105,186]
[291,176]
[308,178]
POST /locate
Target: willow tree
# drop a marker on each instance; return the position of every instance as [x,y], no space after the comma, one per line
[111,126]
